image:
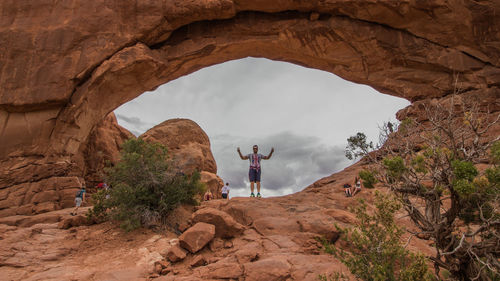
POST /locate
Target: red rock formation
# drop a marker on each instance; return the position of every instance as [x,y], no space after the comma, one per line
[196,237]
[189,147]
[103,146]
[187,144]
[65,65]
[225,225]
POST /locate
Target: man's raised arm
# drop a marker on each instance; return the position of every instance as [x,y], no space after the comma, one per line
[241,156]
[270,154]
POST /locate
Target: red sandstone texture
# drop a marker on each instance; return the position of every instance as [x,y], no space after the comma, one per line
[65,65]
[187,144]
[189,148]
[103,146]
[239,239]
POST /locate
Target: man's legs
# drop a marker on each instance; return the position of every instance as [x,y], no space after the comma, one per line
[251,187]
[258,187]
[252,174]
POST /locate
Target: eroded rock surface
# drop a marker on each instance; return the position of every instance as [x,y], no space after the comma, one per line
[103,145]
[189,148]
[65,65]
[187,144]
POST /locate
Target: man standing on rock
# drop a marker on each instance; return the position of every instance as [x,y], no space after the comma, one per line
[255,169]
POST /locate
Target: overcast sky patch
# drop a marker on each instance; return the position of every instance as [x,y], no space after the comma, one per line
[306,114]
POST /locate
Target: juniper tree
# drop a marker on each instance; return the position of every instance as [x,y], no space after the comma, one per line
[446,173]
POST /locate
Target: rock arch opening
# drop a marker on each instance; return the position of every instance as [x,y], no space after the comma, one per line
[304,113]
[63,68]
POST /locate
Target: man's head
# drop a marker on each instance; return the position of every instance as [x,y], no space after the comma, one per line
[227,183]
[255,149]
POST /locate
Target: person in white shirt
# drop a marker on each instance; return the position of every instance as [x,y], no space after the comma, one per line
[225,191]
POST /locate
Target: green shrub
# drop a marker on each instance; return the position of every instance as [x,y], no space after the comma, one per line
[495,152]
[395,167]
[145,187]
[368,177]
[375,252]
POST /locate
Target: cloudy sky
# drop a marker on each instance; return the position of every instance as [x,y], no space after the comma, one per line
[305,114]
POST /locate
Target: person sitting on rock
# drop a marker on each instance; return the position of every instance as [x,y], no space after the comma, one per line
[208,195]
[255,168]
[79,199]
[225,191]
[347,190]
[357,185]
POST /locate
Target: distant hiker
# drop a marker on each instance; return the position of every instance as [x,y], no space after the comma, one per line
[389,126]
[208,195]
[347,190]
[357,185]
[107,189]
[225,191]
[255,168]
[79,199]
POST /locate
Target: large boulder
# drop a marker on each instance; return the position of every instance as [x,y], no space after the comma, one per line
[103,145]
[225,225]
[213,183]
[187,144]
[189,147]
[175,253]
[196,237]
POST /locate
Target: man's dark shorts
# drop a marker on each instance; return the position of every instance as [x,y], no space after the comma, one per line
[224,195]
[254,175]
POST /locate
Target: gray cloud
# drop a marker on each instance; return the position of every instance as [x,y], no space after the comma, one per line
[134,124]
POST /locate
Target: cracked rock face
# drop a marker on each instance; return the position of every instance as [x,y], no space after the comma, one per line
[65,65]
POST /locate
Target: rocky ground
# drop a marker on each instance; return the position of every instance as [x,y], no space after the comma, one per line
[238,239]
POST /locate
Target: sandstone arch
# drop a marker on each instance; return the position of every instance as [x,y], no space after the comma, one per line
[64,66]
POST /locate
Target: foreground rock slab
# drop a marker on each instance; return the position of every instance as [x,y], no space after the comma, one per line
[197,236]
[225,225]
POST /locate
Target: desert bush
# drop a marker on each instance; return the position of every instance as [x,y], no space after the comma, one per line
[368,177]
[145,186]
[374,248]
[432,170]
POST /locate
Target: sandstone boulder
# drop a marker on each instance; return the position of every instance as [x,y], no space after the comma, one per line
[225,225]
[103,145]
[175,253]
[187,143]
[221,270]
[198,261]
[270,269]
[213,183]
[196,237]
[73,221]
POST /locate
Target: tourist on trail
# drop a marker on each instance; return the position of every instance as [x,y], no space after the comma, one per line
[79,199]
[225,191]
[255,168]
[347,190]
[357,185]
[107,189]
[208,195]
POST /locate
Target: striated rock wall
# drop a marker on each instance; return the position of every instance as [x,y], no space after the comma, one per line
[54,192]
[65,65]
